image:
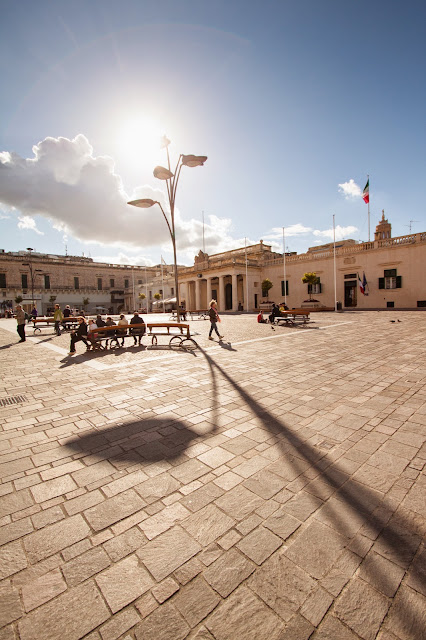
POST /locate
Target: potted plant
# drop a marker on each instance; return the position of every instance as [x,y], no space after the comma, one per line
[310,278]
[266,286]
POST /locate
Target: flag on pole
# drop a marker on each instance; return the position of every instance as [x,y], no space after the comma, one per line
[163,261]
[361,286]
[364,284]
[366,192]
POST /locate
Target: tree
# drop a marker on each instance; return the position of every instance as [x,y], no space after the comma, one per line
[52,299]
[18,299]
[266,286]
[310,278]
[142,296]
[85,302]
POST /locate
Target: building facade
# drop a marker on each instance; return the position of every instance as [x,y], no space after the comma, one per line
[394,270]
[77,281]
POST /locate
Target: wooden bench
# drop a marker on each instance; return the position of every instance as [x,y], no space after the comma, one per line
[41,323]
[195,314]
[292,316]
[179,334]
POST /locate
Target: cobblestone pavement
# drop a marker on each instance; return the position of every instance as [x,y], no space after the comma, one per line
[271,487]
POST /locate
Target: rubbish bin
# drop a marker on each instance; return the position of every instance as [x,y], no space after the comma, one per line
[338,306]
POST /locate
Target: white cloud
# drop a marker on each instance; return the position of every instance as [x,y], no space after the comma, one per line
[341,232]
[350,189]
[123,258]
[292,230]
[26,222]
[82,196]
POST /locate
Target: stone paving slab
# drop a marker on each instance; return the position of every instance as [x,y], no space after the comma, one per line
[271,486]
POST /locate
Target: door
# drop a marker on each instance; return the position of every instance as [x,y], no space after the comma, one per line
[228,296]
[350,293]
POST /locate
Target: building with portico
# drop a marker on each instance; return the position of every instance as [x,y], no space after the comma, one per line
[392,268]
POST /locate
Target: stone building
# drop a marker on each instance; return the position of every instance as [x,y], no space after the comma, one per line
[394,270]
[77,281]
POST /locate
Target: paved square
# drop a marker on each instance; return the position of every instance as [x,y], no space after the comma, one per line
[269,486]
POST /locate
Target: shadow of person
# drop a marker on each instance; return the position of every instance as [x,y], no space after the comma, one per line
[226,345]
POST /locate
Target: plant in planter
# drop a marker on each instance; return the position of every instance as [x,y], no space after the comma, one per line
[266,286]
[18,299]
[310,278]
[85,303]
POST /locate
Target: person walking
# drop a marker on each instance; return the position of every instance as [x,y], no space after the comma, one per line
[214,319]
[58,317]
[20,320]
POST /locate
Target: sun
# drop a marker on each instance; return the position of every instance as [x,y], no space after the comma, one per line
[139,138]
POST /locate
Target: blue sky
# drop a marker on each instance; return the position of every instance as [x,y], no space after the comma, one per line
[287,99]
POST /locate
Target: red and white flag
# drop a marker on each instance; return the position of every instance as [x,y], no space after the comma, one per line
[366,192]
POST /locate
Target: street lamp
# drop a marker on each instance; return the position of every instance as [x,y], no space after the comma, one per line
[33,273]
[171,179]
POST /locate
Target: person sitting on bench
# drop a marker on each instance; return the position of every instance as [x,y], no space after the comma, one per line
[79,334]
[122,323]
[140,331]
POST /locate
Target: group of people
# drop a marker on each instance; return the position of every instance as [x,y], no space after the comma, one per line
[87,332]
[276,312]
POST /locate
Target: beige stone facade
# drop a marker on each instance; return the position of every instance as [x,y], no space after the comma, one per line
[69,280]
[394,269]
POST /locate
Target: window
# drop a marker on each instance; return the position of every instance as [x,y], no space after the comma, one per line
[172,291]
[76,283]
[99,284]
[24,280]
[2,281]
[150,295]
[390,280]
[315,288]
[284,293]
[126,284]
[47,282]
[390,305]
[350,276]
[111,283]
[139,281]
[420,303]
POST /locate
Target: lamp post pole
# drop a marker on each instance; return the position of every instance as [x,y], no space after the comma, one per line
[33,273]
[171,179]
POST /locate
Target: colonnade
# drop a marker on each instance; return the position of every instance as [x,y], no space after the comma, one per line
[198,292]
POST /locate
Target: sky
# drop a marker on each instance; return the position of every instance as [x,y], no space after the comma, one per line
[293,103]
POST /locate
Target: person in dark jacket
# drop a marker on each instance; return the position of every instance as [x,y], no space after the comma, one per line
[79,334]
[138,332]
[214,319]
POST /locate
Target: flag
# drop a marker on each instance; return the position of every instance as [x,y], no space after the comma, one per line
[364,284]
[366,192]
[163,261]
[361,286]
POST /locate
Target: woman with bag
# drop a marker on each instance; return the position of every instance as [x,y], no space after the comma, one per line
[214,319]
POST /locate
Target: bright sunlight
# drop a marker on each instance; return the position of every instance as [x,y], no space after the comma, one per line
[139,139]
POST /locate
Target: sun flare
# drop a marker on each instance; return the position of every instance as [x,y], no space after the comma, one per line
[140,138]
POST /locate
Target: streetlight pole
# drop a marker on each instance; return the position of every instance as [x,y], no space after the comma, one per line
[171,179]
[32,273]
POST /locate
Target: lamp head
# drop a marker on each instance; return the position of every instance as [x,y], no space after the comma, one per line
[162,173]
[193,161]
[164,142]
[143,203]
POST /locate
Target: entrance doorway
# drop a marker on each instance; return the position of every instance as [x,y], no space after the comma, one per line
[350,293]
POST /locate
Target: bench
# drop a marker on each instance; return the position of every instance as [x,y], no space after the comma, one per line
[196,314]
[41,323]
[291,316]
[178,333]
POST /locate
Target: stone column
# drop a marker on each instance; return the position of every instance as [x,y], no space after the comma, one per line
[221,301]
[197,294]
[234,293]
[209,291]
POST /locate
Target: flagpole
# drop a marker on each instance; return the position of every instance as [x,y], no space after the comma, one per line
[146,291]
[285,278]
[162,282]
[368,180]
[204,244]
[247,300]
[334,263]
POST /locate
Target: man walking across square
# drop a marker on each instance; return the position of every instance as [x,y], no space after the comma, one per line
[20,320]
